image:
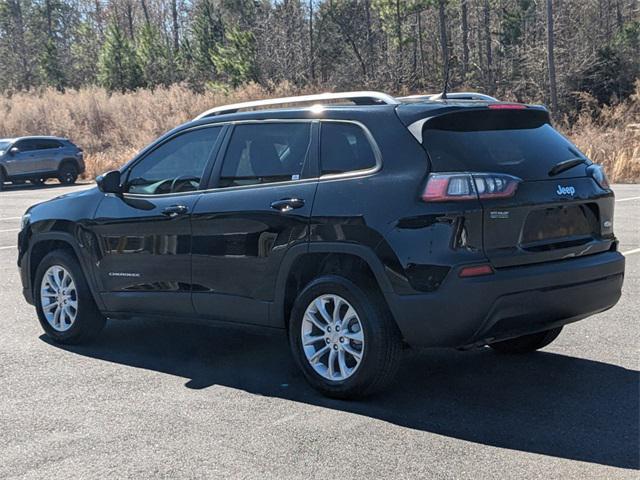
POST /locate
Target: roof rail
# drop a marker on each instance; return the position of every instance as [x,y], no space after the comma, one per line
[359,98]
[453,96]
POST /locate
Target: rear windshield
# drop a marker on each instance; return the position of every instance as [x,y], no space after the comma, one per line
[516,142]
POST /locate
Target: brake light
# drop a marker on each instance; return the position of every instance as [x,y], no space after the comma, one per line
[446,187]
[507,106]
[476,271]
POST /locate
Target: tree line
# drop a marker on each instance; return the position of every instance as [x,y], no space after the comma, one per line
[547,50]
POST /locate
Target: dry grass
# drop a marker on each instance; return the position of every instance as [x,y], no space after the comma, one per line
[610,136]
[111,128]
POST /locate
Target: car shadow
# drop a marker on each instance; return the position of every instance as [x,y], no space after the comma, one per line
[542,403]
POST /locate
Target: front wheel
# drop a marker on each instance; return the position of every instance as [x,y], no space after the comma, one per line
[343,338]
[66,309]
[3,178]
[68,174]
[527,343]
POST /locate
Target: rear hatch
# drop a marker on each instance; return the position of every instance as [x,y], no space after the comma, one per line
[551,216]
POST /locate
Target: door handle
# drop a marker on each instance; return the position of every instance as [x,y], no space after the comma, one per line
[175,210]
[287,204]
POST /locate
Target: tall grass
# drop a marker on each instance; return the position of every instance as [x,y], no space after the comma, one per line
[111,128]
[609,135]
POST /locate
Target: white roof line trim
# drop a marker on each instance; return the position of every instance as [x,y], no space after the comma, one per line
[382,97]
[416,128]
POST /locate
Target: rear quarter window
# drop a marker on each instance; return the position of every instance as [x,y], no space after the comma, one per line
[345,147]
[47,144]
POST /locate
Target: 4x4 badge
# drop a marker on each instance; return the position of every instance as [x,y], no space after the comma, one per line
[566,190]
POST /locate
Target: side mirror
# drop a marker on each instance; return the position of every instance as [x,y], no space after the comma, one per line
[14,150]
[110,182]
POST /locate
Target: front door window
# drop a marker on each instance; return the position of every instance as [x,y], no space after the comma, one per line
[176,165]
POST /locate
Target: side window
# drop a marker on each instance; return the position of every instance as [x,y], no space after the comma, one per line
[47,144]
[175,166]
[344,147]
[266,153]
[26,145]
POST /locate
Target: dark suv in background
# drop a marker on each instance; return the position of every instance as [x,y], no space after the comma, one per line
[37,159]
[359,229]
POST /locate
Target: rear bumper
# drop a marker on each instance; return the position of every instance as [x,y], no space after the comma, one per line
[514,301]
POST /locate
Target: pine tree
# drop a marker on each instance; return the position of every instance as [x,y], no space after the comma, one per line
[51,70]
[85,49]
[236,59]
[154,57]
[206,32]
[48,20]
[118,67]
[18,47]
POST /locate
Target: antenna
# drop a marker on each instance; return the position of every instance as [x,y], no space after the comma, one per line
[443,95]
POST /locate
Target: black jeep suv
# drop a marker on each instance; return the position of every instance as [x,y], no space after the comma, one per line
[424,221]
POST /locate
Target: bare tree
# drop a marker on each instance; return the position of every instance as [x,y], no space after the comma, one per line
[174,22]
[487,37]
[464,31]
[550,59]
[442,18]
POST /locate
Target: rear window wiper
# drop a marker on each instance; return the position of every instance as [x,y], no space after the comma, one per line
[566,165]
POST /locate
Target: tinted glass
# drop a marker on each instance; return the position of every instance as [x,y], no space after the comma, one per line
[175,166]
[46,144]
[26,145]
[265,153]
[517,142]
[344,147]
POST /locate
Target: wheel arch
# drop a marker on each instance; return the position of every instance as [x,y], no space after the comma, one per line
[304,262]
[42,244]
[67,161]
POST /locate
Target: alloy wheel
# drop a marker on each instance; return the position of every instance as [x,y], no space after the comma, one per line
[332,337]
[59,298]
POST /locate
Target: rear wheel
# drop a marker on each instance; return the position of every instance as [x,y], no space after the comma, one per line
[527,343]
[65,307]
[343,338]
[68,174]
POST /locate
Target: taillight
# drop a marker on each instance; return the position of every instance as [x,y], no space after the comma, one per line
[597,173]
[446,187]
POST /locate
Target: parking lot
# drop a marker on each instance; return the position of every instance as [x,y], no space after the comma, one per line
[169,400]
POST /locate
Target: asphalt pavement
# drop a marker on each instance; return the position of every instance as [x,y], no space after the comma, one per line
[169,400]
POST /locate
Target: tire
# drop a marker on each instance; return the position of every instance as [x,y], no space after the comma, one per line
[87,322]
[527,343]
[3,178]
[380,346]
[68,173]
